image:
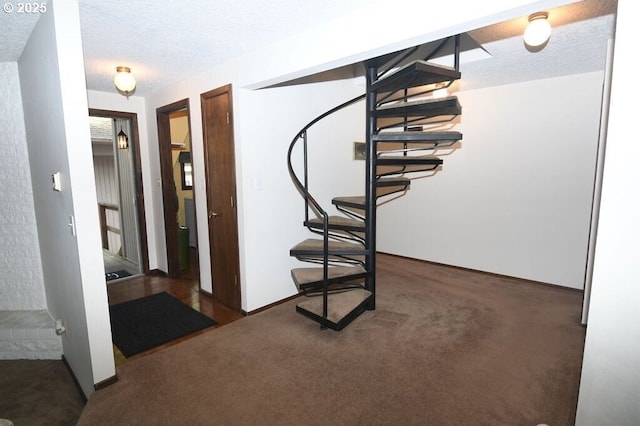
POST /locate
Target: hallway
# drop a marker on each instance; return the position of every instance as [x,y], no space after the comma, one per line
[186,288]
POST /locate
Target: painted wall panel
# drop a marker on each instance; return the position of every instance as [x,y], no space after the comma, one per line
[59,140]
[610,382]
[515,198]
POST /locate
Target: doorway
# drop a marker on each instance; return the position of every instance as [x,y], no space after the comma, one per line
[219,154]
[174,138]
[118,180]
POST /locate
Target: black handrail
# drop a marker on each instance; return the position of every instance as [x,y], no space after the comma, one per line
[308,198]
[303,188]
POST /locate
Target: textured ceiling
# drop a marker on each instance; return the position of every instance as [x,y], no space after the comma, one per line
[14,33]
[578,44]
[165,41]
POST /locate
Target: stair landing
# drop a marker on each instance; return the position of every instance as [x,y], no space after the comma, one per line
[342,308]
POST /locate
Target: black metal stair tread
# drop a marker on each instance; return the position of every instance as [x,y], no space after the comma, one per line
[338,222]
[418,73]
[423,108]
[417,137]
[308,277]
[356,202]
[386,182]
[401,160]
[359,202]
[340,306]
[313,247]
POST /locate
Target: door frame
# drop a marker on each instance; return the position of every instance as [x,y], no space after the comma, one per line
[227,89]
[169,194]
[134,141]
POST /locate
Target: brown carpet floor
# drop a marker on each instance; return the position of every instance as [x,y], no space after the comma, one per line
[38,393]
[445,346]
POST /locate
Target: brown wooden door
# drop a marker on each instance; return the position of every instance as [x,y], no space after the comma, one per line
[217,125]
[169,195]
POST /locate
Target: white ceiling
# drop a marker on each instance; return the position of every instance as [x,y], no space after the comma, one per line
[578,44]
[164,42]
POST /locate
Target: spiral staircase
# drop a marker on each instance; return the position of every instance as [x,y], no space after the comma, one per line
[404,123]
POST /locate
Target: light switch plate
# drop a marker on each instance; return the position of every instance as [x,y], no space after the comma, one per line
[57,181]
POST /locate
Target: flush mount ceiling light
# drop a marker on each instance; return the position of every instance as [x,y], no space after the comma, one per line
[124,81]
[538,30]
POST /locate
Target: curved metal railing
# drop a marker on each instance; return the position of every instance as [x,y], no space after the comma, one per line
[303,186]
[309,200]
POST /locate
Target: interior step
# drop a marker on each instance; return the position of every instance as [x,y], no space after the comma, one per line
[313,249]
[402,164]
[429,138]
[384,186]
[391,183]
[350,203]
[313,278]
[339,223]
[418,73]
[342,308]
[425,108]
[406,160]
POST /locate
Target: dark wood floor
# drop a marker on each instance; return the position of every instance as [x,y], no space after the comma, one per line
[186,288]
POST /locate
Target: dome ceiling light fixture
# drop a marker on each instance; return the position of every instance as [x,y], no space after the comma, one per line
[538,31]
[125,82]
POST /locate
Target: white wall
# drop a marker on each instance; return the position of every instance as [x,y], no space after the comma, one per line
[515,199]
[610,383]
[58,138]
[272,209]
[21,282]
